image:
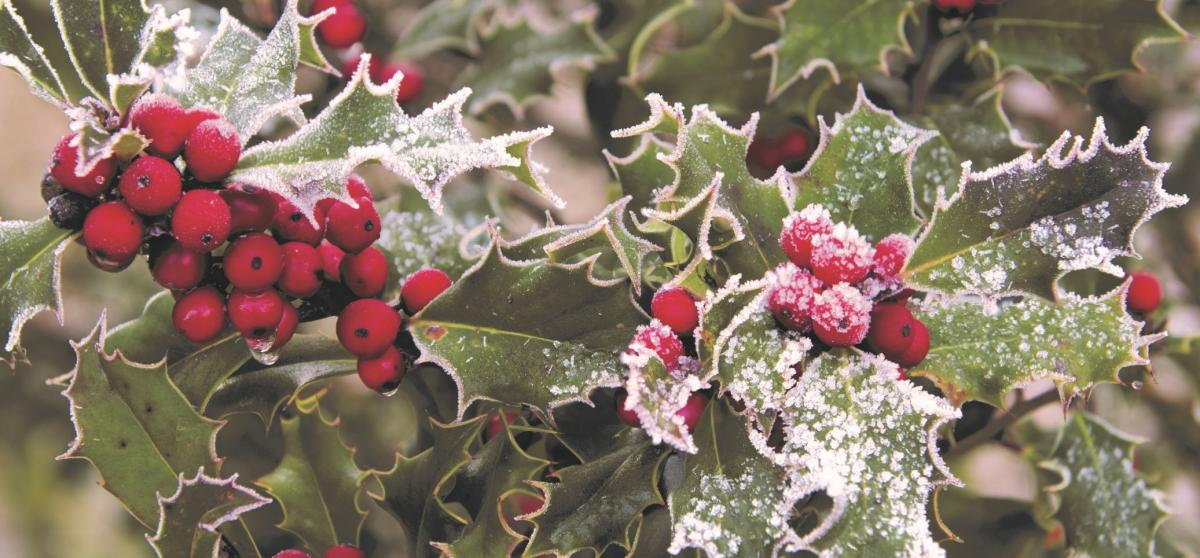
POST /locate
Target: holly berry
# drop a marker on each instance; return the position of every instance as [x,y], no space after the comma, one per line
[383,372]
[692,410]
[916,352]
[791,298]
[353,228]
[319,6]
[286,327]
[367,327]
[150,185]
[344,551]
[1145,293]
[162,120]
[365,273]
[410,85]
[344,28]
[292,224]
[178,268]
[255,314]
[891,253]
[113,233]
[212,150]
[799,230]
[677,308]
[422,287]
[841,256]
[627,416]
[331,261]
[302,270]
[358,189]
[199,315]
[63,165]
[201,220]
[793,146]
[351,64]
[68,210]
[253,262]
[841,316]
[659,338]
[250,209]
[960,6]
[494,427]
[195,115]
[891,330]
[764,153]
[292,553]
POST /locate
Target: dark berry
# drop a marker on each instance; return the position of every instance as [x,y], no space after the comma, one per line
[410,85]
[302,270]
[891,330]
[841,256]
[344,28]
[799,230]
[383,372]
[494,427]
[627,416]
[201,220]
[113,233]
[365,273]
[292,224]
[212,150]
[841,316]
[178,268]
[1145,293]
[250,209]
[352,228]
[162,120]
[916,352]
[422,287]
[253,262]
[344,551]
[51,188]
[331,261]
[692,410]
[63,166]
[659,339]
[677,308]
[68,210]
[367,327]
[151,186]
[891,253]
[255,314]
[200,315]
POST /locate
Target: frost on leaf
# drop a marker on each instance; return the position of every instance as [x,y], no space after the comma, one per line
[1018,227]
[30,261]
[606,235]
[413,240]
[855,432]
[20,52]
[656,394]
[641,173]
[980,353]
[189,518]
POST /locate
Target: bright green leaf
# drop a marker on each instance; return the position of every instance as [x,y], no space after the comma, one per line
[606,234]
[189,518]
[20,52]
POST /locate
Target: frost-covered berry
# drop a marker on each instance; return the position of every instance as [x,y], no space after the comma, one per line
[292,224]
[199,315]
[494,427]
[201,220]
[344,551]
[292,553]
[367,327]
[916,352]
[841,316]
[344,28]
[255,314]
[891,330]
[62,169]
[659,339]
[162,120]
[212,150]
[253,262]
[1145,293]
[891,253]
[365,273]
[692,410]
[151,185]
[302,270]
[383,372]
[412,83]
[798,232]
[627,416]
[960,6]
[791,298]
[331,261]
[113,233]
[841,256]
[358,189]
[352,228]
[178,268]
[677,308]
[250,209]
[422,287]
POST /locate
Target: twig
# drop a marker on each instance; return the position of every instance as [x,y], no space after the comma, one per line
[988,432]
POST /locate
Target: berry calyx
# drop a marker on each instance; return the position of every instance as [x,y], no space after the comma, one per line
[113,233]
[201,220]
[352,228]
[891,253]
[791,298]
[302,270]
[494,427]
[331,261]
[383,372]
[63,165]
[656,337]
[798,232]
[627,416]
[212,150]
[916,352]
[422,287]
[292,553]
[255,314]
[841,256]
[692,410]
[199,315]
[162,120]
[344,551]
[249,209]
[365,273]
[677,308]
[892,329]
[410,85]
[150,185]
[1145,293]
[367,327]
[841,316]
[254,262]
[178,268]
[292,224]
[344,28]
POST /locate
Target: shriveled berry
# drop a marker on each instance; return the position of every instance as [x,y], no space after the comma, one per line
[367,327]
[422,287]
[255,314]
[891,253]
[151,185]
[627,416]
[292,553]
[50,187]
[163,121]
[494,427]
[692,410]
[201,220]
[178,268]
[365,273]
[331,261]
[383,372]
[292,224]
[352,228]
[63,166]
[410,85]
[916,352]
[113,233]
[250,209]
[841,256]
[1145,293]
[799,230]
[891,330]
[212,150]
[677,308]
[344,551]
[302,270]
[841,316]
[253,262]
[791,298]
[199,315]
[344,28]
[68,210]
[659,339]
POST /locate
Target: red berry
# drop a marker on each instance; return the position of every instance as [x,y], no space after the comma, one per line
[255,314]
[1145,293]
[659,339]
[253,262]
[351,65]
[331,261]
[526,504]
[793,145]
[383,372]
[841,256]
[344,551]
[62,168]
[365,273]
[151,185]
[891,330]
[692,410]
[891,253]
[627,416]
[319,6]
[422,287]
[292,553]
[799,230]
[791,298]
[196,115]
[916,352]
[676,308]
[212,150]
[250,209]
[841,316]
[367,327]
[113,233]
[961,6]
[764,152]
[302,270]
[286,327]
[352,228]
[162,120]
[178,268]
[344,28]
[201,220]
[293,224]
[358,189]
[410,85]
[494,427]
[199,315]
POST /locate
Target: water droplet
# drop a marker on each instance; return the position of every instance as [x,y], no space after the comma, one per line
[260,349]
[1136,384]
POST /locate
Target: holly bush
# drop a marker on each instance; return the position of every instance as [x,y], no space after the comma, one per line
[834,261]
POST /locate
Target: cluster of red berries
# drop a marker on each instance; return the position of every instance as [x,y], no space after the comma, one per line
[766,153]
[339,551]
[674,314]
[344,29]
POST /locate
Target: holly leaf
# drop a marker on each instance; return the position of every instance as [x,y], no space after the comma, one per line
[589,429]
[641,173]
[443,24]
[556,339]
[1017,228]
[189,518]
[606,235]
[1077,41]
[316,483]
[20,52]
[861,170]
[593,503]
[30,262]
[413,240]
[843,37]
[976,353]
[656,394]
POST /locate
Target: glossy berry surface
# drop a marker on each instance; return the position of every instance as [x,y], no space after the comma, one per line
[286,328]
[890,255]
[659,339]
[841,316]
[178,268]
[422,287]
[677,308]
[344,551]
[841,256]
[249,210]
[1145,292]
[918,350]
[494,428]
[367,327]
[212,150]
[799,230]
[692,410]
[302,270]
[892,329]
[201,221]
[150,185]
[113,233]
[410,85]
[255,314]
[163,121]
[627,416]
[63,166]
[791,297]
[200,315]
[961,6]
[352,228]
[292,553]
[331,261]
[344,27]
[383,372]
[365,273]
[253,262]
[292,224]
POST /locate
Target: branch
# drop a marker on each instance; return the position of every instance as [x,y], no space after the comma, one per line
[987,433]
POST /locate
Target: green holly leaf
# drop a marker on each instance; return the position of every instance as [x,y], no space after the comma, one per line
[843,37]
[606,235]
[641,173]
[20,52]
[556,340]
[590,429]
[653,534]
[30,262]
[518,61]
[189,518]
[976,353]
[860,171]
[443,24]
[657,394]
[316,483]
[1018,227]
[593,504]
[413,240]
[1078,41]
[105,38]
